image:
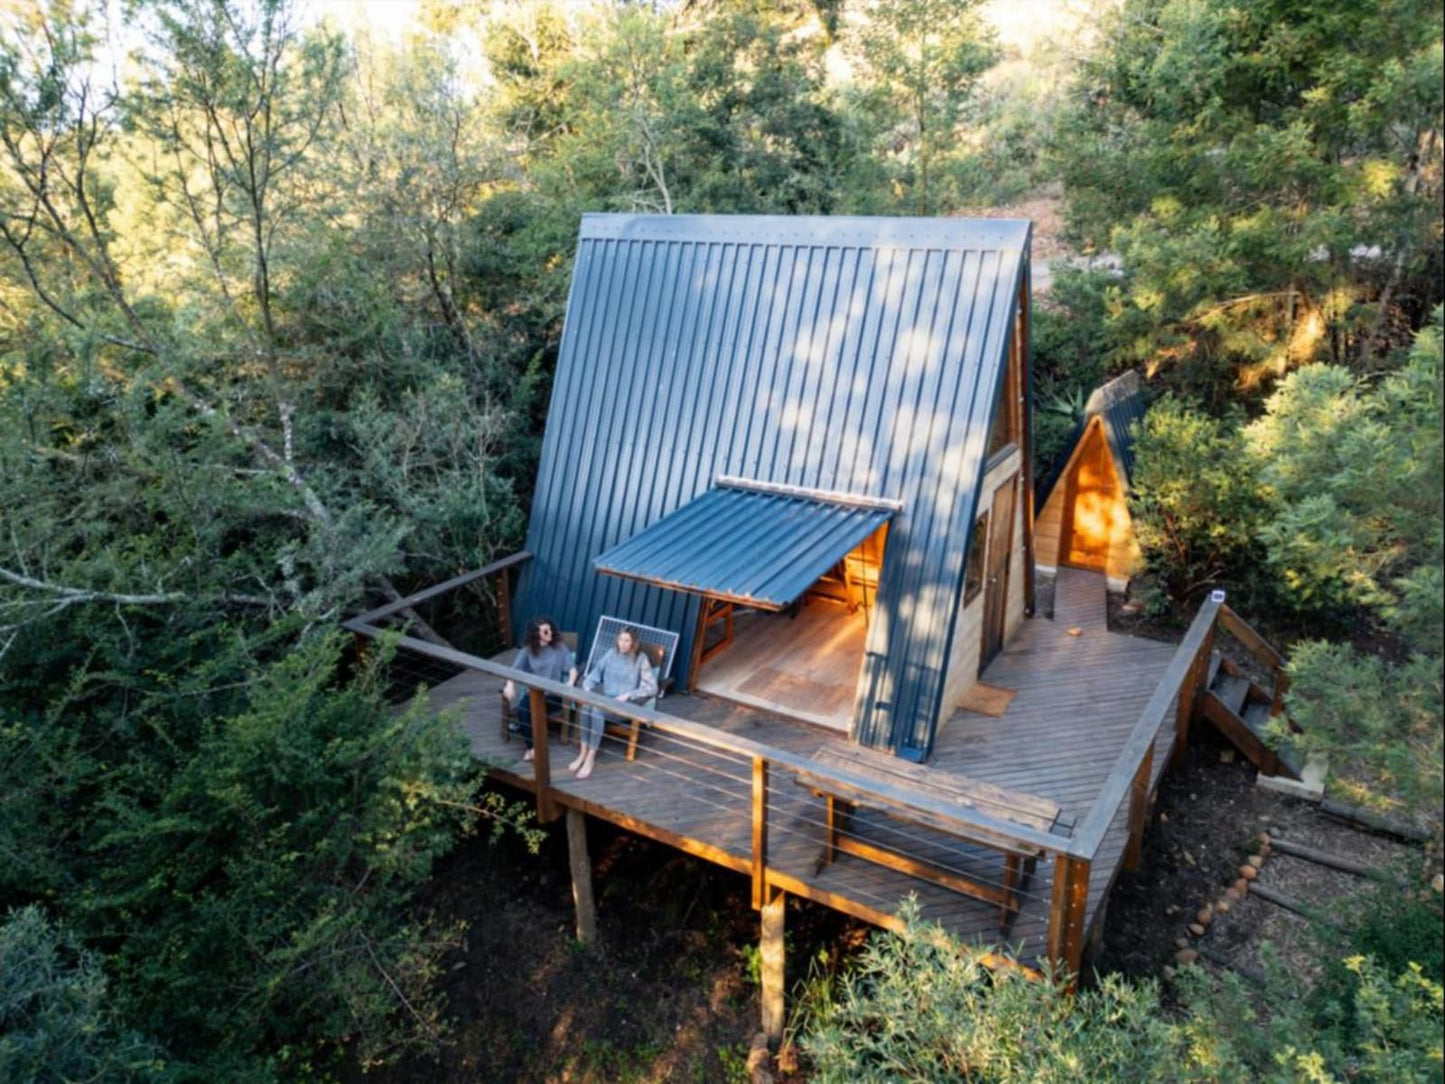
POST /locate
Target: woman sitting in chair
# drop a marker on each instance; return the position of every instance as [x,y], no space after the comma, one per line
[624,672]
[544,654]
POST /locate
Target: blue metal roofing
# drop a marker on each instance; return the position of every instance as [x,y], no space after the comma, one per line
[744,545]
[860,355]
[1118,404]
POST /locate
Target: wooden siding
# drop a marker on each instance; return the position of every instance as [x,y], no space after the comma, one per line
[968,629]
[1051,548]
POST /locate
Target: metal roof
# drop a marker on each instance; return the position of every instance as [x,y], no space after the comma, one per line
[751,546]
[860,355]
[1118,405]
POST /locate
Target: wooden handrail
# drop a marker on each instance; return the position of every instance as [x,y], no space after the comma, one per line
[1090,835]
[1258,646]
[964,816]
[371,617]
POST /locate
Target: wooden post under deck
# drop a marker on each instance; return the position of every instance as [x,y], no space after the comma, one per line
[541,770]
[581,866]
[773,962]
[1066,911]
[1138,810]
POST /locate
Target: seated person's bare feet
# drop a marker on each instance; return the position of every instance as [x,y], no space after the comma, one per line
[577,763]
[586,769]
[529,754]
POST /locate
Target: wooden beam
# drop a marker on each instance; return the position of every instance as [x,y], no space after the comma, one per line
[694,662]
[581,867]
[773,946]
[504,607]
[541,770]
[1258,646]
[760,832]
[371,617]
[1138,811]
[827,496]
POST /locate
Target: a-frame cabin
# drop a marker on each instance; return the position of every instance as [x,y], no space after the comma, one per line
[799,443]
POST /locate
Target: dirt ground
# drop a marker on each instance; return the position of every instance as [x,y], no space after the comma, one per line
[668,993]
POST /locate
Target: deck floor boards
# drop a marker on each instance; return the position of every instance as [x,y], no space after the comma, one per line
[1078,699]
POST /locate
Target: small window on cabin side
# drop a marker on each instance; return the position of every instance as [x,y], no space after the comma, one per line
[973,572]
[1005,412]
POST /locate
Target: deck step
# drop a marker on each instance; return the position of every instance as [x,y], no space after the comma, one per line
[1256,718]
[1231,691]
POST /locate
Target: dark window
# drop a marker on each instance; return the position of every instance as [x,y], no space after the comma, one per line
[1005,416]
[973,573]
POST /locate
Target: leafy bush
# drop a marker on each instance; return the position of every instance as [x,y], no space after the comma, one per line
[919,1007]
[57,1022]
[1195,504]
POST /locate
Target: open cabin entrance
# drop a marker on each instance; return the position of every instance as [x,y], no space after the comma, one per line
[788,579]
[802,661]
[1093,505]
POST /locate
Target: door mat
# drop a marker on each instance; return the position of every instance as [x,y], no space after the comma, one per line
[992,700]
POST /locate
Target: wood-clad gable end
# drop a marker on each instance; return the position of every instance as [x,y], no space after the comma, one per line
[1083,519]
[850,355]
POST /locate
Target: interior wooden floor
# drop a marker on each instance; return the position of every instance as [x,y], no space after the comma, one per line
[805,666]
[1078,699]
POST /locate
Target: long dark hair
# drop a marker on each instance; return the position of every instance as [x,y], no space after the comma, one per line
[630,630]
[533,639]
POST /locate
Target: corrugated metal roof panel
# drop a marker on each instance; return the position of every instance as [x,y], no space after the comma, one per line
[852,354]
[761,549]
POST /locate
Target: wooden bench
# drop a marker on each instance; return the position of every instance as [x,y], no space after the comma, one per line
[892,774]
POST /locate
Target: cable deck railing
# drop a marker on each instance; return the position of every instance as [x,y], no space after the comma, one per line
[760,806]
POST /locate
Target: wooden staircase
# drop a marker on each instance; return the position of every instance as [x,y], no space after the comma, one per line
[1241,707]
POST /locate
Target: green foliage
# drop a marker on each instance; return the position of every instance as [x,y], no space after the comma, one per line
[262,859]
[918,1006]
[1243,160]
[1353,472]
[1195,504]
[922,60]
[56,1019]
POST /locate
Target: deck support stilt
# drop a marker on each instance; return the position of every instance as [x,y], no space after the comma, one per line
[1067,906]
[772,959]
[581,866]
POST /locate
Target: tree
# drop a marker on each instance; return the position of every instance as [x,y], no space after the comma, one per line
[921,61]
[1352,471]
[1270,175]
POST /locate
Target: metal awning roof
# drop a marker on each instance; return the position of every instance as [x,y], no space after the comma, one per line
[748,542]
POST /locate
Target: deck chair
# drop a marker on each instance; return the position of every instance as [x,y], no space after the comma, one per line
[661,648]
[509,710]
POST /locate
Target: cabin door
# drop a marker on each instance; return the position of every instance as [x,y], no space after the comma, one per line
[995,584]
[1089,499]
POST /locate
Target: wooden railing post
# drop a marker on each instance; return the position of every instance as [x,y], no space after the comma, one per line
[504,608]
[1188,694]
[1067,908]
[760,832]
[541,770]
[1138,810]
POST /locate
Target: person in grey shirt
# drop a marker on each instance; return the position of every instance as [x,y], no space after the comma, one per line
[544,654]
[623,672]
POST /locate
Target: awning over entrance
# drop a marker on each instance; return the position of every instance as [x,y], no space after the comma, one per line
[748,542]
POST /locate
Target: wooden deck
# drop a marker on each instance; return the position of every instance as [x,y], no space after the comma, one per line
[805,665]
[1079,697]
